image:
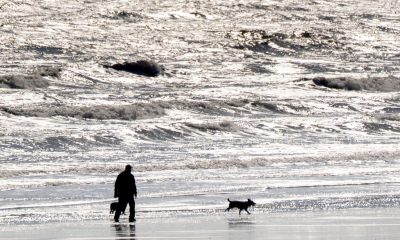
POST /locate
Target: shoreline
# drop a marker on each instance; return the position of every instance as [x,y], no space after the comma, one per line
[364,223]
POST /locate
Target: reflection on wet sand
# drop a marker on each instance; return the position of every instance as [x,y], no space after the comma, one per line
[124,231]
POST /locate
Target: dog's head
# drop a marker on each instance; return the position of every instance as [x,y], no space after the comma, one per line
[250,202]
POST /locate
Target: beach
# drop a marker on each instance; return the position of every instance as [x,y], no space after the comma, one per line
[292,104]
[349,224]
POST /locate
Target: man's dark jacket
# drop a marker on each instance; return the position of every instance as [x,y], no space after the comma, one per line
[125,186]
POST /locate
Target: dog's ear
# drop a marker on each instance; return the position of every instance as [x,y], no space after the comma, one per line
[249,200]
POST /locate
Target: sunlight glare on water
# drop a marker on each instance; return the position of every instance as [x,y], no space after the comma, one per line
[293,104]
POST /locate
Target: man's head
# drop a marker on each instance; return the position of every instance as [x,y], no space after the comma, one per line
[128,168]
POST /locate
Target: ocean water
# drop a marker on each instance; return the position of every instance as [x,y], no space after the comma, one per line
[293,104]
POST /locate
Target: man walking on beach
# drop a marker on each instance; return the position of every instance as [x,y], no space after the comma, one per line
[125,189]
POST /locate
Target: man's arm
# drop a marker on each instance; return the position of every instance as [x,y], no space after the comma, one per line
[116,187]
[134,187]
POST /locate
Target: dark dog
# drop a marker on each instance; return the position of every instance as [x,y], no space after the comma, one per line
[240,205]
[114,207]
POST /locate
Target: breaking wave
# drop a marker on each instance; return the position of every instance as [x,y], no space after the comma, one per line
[154,109]
[160,133]
[269,106]
[221,126]
[100,112]
[283,44]
[225,112]
[23,81]
[368,157]
[379,127]
[387,84]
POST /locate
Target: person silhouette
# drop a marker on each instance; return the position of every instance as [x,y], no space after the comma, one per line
[125,190]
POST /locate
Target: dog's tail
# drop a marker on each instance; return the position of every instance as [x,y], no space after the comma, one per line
[228,200]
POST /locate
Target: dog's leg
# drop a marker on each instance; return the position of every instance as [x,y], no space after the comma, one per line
[247,211]
[227,209]
[240,211]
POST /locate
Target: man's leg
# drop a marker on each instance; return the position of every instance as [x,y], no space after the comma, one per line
[132,210]
[121,207]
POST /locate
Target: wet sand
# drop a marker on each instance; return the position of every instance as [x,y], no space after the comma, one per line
[331,224]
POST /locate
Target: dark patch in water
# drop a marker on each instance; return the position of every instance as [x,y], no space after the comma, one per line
[208,107]
[296,108]
[237,102]
[327,18]
[258,68]
[142,67]
[125,14]
[49,71]
[337,83]
[199,14]
[23,81]
[344,105]
[377,127]
[298,9]
[222,126]
[47,49]
[131,112]
[107,139]
[387,84]
[319,67]
[261,41]
[299,127]
[392,110]
[60,142]
[371,16]
[100,112]
[270,106]
[66,142]
[387,29]
[388,117]
[160,134]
